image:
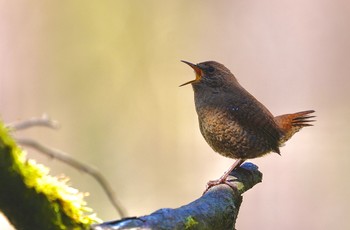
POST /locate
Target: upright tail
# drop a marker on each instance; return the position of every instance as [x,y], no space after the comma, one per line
[292,123]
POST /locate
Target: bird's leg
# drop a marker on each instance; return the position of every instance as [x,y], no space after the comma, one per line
[223,178]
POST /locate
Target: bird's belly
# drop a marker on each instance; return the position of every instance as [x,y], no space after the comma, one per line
[230,139]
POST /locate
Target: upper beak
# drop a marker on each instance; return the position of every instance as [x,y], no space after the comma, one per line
[197,70]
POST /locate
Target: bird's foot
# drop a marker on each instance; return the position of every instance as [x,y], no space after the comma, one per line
[222,180]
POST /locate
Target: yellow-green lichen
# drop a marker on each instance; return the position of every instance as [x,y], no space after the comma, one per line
[66,202]
[190,222]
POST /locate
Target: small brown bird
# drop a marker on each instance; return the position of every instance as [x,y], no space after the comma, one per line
[233,122]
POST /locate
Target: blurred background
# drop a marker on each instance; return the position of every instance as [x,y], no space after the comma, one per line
[109,72]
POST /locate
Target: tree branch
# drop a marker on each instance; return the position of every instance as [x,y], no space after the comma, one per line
[44,121]
[216,209]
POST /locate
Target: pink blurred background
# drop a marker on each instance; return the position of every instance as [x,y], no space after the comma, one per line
[109,72]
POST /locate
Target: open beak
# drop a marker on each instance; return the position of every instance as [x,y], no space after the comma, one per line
[197,70]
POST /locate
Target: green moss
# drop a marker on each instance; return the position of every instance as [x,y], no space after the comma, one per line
[190,222]
[29,196]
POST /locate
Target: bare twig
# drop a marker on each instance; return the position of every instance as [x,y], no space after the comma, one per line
[44,121]
[66,158]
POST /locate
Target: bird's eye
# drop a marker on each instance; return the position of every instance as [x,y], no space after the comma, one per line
[211,69]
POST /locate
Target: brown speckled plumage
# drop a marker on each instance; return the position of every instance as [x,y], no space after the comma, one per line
[232,121]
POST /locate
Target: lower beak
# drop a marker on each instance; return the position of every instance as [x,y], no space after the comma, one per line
[197,70]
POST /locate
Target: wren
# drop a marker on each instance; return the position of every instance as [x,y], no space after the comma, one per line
[233,122]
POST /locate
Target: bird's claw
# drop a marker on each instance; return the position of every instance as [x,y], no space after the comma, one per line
[213,183]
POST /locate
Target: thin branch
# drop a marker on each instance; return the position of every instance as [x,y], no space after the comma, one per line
[66,158]
[44,121]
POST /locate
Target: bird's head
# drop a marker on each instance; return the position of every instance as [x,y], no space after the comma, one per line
[210,73]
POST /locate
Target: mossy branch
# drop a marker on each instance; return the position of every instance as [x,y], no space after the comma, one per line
[31,198]
[217,209]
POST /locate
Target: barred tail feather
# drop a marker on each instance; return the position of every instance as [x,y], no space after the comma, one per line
[289,124]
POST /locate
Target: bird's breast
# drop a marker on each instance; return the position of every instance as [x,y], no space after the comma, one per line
[223,130]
